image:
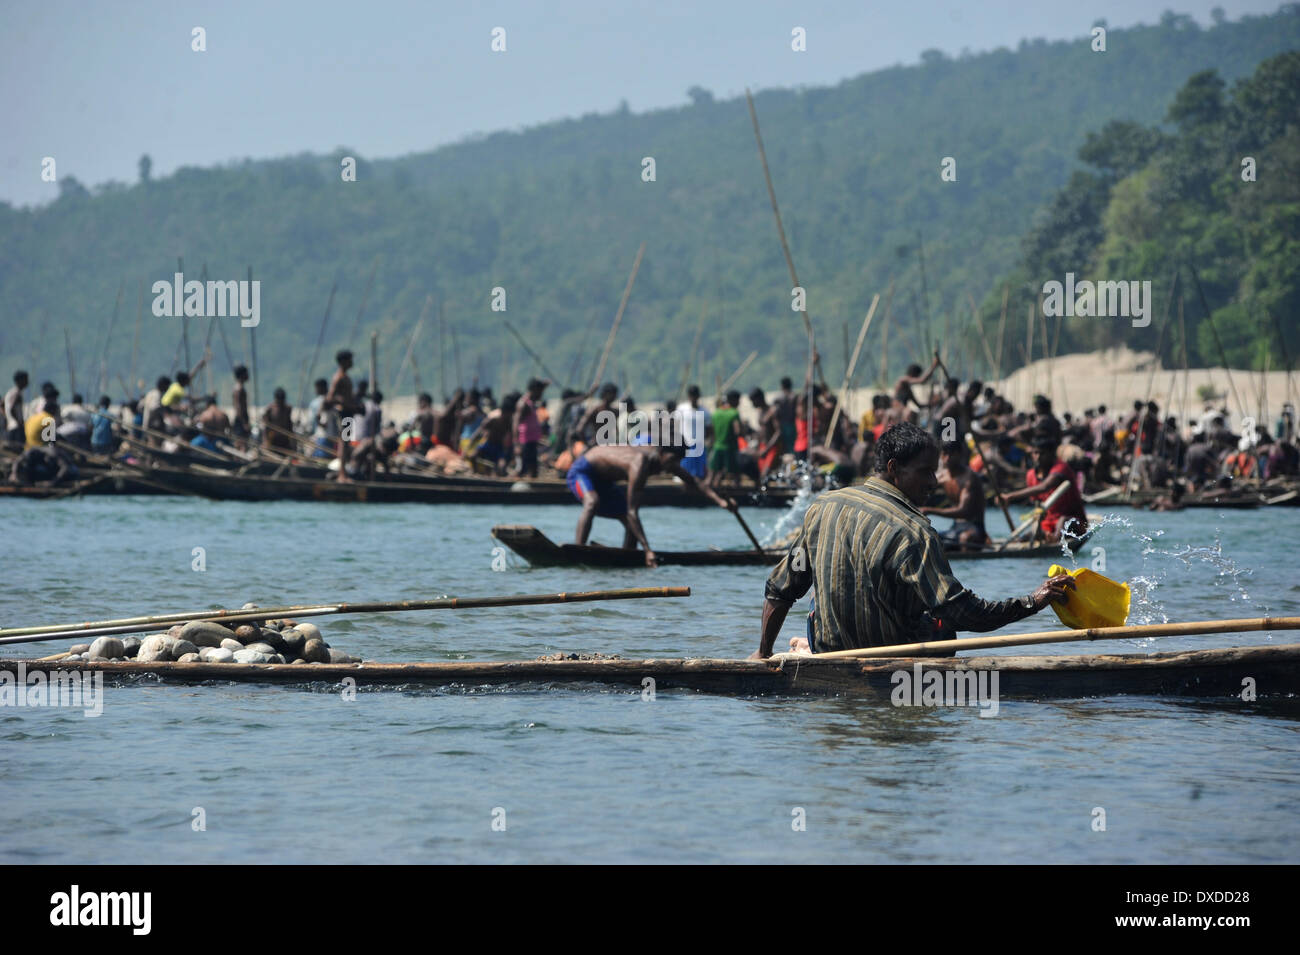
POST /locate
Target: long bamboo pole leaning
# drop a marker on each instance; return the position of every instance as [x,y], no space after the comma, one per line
[618,317]
[1143,631]
[789,261]
[1218,344]
[853,364]
[140,624]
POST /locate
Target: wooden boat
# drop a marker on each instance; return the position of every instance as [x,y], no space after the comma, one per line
[218,484]
[1218,673]
[540,551]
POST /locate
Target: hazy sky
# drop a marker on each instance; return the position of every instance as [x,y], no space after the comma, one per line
[96,84]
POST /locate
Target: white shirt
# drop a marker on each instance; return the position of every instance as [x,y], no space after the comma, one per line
[10,421]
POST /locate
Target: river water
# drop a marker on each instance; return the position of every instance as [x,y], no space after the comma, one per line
[298,774]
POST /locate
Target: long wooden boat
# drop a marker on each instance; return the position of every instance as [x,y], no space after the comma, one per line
[218,484]
[540,551]
[1219,673]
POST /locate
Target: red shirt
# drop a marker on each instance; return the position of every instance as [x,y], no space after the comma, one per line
[1068,505]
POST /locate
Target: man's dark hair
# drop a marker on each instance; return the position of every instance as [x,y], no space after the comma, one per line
[733,398]
[163,383]
[342,355]
[240,372]
[693,391]
[1101,409]
[104,401]
[787,384]
[425,398]
[20,377]
[182,378]
[321,386]
[757,398]
[608,391]
[901,443]
[913,371]
[77,399]
[278,394]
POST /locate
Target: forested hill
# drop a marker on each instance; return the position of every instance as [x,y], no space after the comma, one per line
[554,215]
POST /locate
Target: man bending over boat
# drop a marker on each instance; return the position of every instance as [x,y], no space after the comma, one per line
[877,567]
[594,478]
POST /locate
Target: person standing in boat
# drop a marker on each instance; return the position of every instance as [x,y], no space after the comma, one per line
[1066,515]
[877,567]
[340,399]
[242,425]
[594,480]
[14,416]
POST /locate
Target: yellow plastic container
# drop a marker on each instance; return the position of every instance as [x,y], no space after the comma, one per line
[1096,601]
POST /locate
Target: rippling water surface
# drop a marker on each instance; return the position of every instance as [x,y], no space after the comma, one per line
[288,774]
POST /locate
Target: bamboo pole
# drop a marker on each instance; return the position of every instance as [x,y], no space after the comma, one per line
[991,470]
[988,352]
[738,372]
[315,352]
[1217,343]
[135,345]
[72,369]
[853,364]
[533,355]
[943,647]
[618,317]
[365,297]
[141,624]
[1002,327]
[789,261]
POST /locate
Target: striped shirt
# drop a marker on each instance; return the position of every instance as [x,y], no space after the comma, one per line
[879,574]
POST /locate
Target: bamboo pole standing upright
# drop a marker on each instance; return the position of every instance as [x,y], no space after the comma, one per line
[72,369]
[103,352]
[135,344]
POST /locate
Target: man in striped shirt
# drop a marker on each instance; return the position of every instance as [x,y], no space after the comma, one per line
[877,568]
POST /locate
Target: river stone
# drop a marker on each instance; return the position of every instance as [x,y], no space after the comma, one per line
[293,641]
[130,646]
[276,658]
[338,656]
[154,649]
[188,658]
[261,648]
[217,655]
[309,631]
[315,652]
[248,655]
[204,633]
[273,638]
[300,660]
[105,648]
[175,631]
[182,647]
[246,633]
[276,625]
[79,648]
[231,644]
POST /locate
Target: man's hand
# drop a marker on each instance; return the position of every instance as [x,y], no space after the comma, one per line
[650,559]
[1053,589]
[730,504]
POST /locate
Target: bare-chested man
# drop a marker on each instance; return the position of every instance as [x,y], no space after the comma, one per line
[966,488]
[903,393]
[242,426]
[594,478]
[213,422]
[342,400]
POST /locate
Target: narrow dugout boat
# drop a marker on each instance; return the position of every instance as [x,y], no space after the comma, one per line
[540,551]
[1273,672]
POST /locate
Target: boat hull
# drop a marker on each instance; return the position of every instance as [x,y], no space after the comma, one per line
[1219,673]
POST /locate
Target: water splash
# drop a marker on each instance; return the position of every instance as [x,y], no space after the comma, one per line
[802,478]
[1182,562]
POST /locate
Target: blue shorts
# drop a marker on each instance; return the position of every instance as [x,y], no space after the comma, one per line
[697,466]
[583,480]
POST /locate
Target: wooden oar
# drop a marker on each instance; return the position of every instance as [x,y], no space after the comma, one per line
[618,317]
[939,647]
[1037,514]
[141,624]
[757,546]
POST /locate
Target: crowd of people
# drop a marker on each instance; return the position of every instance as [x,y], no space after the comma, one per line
[983,438]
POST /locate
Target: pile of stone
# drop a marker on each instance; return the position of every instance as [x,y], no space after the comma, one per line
[210,641]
